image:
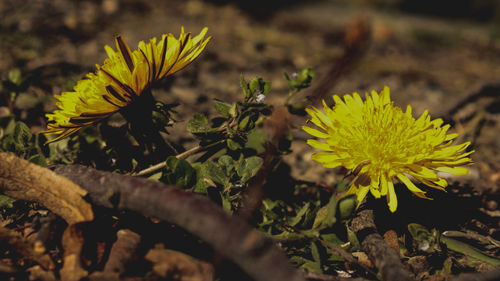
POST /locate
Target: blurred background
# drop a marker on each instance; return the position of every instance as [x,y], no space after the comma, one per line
[442,56]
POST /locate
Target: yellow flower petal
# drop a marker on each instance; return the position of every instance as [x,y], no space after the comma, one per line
[380,141]
[123,77]
[392,200]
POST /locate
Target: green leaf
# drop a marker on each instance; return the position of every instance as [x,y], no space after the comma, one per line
[232,145]
[300,215]
[258,85]
[469,251]
[15,76]
[247,120]
[352,238]
[227,163]
[315,252]
[301,79]
[266,88]
[325,217]
[254,84]
[156,176]
[424,240]
[256,139]
[233,112]
[244,87]
[242,125]
[249,167]
[199,124]
[226,204]
[38,159]
[213,172]
[179,172]
[6,201]
[312,266]
[223,108]
[22,134]
[346,206]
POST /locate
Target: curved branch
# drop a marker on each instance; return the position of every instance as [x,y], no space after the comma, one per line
[234,238]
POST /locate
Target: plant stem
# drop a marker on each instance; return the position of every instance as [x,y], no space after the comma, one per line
[184,154]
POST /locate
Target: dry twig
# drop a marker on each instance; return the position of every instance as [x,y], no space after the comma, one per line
[382,255]
[254,253]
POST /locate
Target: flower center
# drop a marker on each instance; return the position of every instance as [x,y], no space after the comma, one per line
[386,137]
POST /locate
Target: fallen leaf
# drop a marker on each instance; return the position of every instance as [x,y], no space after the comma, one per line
[391,238]
[23,180]
[363,259]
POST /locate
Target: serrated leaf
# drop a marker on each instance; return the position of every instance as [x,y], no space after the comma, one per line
[22,134]
[179,172]
[223,108]
[249,167]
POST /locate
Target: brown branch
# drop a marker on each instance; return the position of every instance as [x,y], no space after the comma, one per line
[382,255]
[246,247]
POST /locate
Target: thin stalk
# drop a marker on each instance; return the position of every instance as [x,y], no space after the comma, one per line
[182,155]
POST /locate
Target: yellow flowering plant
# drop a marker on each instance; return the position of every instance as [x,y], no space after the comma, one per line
[123,84]
[380,143]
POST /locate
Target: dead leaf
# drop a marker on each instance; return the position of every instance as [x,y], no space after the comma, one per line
[23,180]
[34,251]
[178,266]
[363,259]
[391,238]
[38,273]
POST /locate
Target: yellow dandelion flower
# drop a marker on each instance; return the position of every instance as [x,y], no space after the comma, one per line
[381,143]
[124,76]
